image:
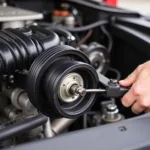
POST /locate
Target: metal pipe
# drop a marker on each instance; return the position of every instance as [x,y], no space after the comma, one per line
[60,125]
[48,129]
[19,99]
[22,127]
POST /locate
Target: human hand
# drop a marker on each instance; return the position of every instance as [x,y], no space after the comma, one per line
[139,95]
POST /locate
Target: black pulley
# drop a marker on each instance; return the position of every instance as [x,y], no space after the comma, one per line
[52,76]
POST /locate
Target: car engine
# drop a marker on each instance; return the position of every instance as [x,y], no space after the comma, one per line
[60,63]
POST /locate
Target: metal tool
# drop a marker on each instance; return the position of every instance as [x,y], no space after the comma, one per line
[113,89]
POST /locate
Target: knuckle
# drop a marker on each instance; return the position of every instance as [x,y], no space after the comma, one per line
[145,72]
[128,77]
[125,102]
[148,62]
[136,90]
[139,68]
[134,110]
[144,103]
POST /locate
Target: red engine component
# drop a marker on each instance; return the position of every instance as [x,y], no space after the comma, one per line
[111,2]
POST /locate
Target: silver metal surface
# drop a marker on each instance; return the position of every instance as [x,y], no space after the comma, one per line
[48,129]
[97,60]
[13,24]
[70,21]
[9,13]
[64,90]
[19,99]
[111,114]
[59,125]
[95,90]
[14,96]
[11,112]
[24,102]
[114,81]
[82,91]
[111,107]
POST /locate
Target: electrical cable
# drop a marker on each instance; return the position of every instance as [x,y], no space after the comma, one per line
[108,10]
[22,127]
[110,39]
[77,29]
[87,27]
[85,38]
[117,73]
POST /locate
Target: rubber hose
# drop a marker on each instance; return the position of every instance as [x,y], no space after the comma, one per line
[20,47]
[61,32]
[87,27]
[111,11]
[64,33]
[22,127]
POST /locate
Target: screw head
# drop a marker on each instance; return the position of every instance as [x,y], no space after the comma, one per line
[113,81]
[111,107]
[81,91]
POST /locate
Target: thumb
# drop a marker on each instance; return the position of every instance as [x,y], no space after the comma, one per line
[130,79]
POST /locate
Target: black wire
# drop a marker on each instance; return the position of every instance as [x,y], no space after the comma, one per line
[108,10]
[87,27]
[110,39]
[75,29]
[117,73]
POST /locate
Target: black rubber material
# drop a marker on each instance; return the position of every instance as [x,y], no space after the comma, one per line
[22,127]
[87,27]
[18,48]
[56,63]
[62,32]
[4,102]
[53,81]
[108,10]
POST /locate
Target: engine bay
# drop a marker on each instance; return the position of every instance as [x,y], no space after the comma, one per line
[61,63]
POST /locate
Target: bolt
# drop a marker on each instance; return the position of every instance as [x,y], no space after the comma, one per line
[11,79]
[75,89]
[113,81]
[81,91]
[111,107]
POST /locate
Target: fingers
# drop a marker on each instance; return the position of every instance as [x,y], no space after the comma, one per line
[129,98]
[133,98]
[139,95]
[137,108]
[131,78]
[147,110]
[139,102]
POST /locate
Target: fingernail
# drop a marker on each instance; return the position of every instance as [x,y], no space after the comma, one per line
[121,81]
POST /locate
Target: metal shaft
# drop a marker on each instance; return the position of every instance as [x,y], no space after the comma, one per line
[48,129]
[61,124]
[95,90]
[83,91]
[75,89]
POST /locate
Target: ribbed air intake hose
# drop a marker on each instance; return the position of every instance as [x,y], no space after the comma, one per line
[19,47]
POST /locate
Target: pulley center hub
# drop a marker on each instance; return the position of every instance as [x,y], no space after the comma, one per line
[64,92]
